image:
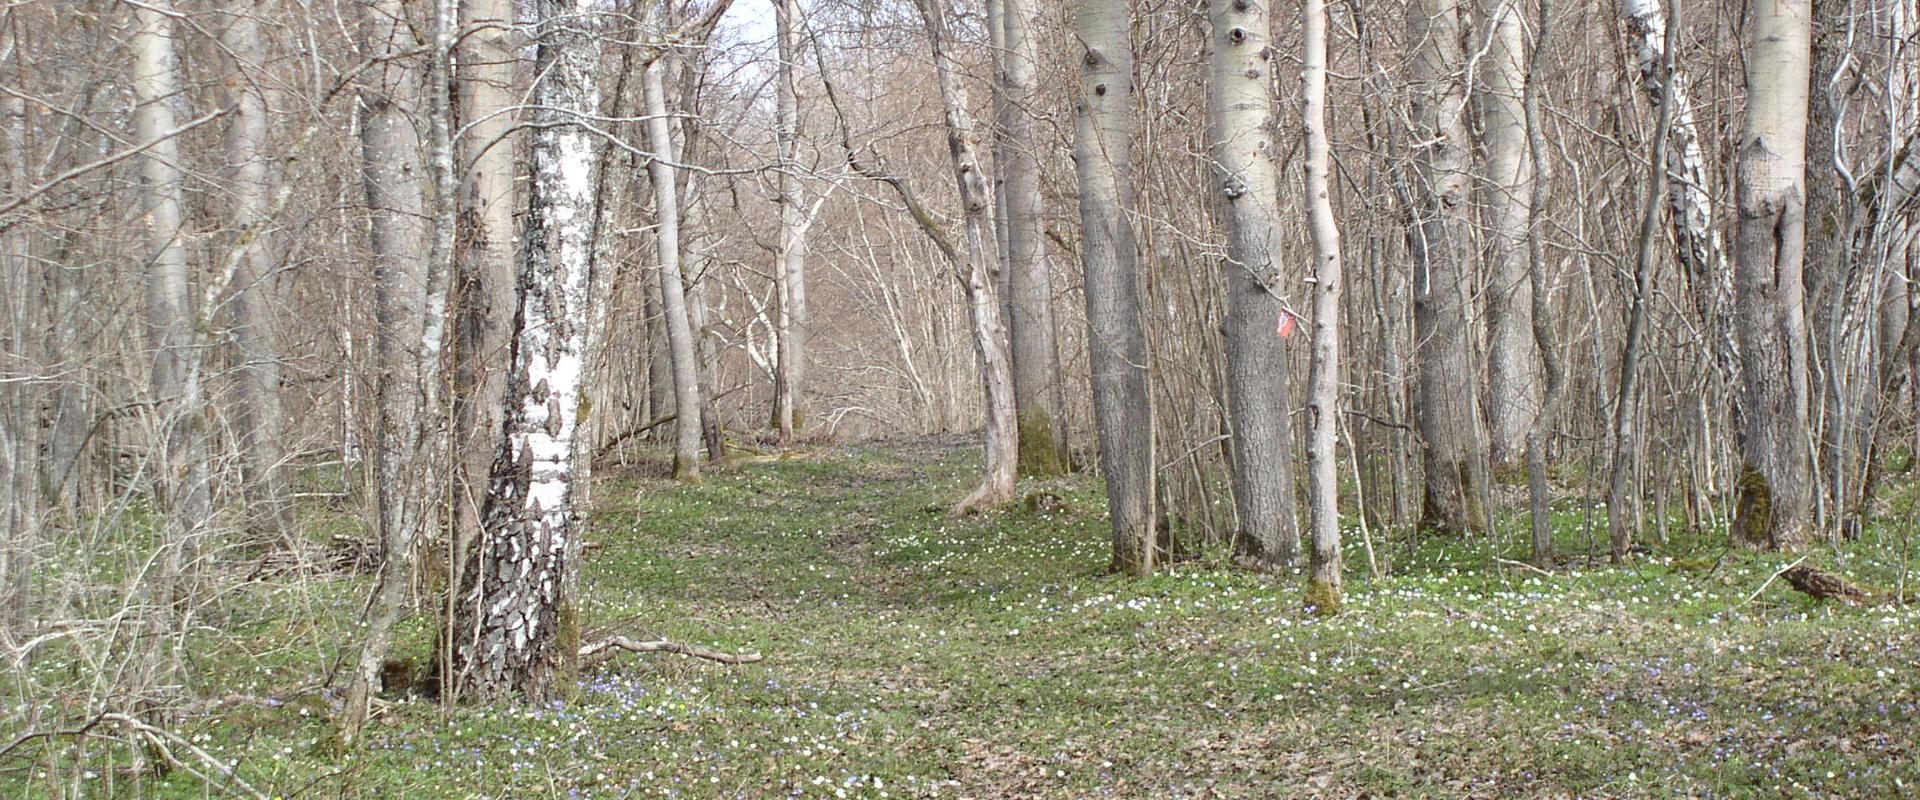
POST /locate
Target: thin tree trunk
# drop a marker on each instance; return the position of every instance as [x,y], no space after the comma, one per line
[681,346]
[789,386]
[1513,371]
[1623,504]
[1440,241]
[257,416]
[516,625]
[1774,486]
[979,257]
[1116,330]
[1241,117]
[20,429]
[1552,365]
[1689,186]
[1037,391]
[1324,580]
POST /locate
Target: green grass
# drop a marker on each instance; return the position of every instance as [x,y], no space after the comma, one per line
[914,655]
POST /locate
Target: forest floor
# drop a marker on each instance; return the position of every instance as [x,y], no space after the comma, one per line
[909,654]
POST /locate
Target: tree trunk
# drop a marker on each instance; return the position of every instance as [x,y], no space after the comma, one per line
[1513,371]
[1538,501]
[485,259]
[681,346]
[257,417]
[516,625]
[1623,505]
[1440,239]
[1774,488]
[1689,187]
[1323,395]
[977,271]
[789,385]
[181,484]
[1037,391]
[1240,114]
[20,428]
[1116,331]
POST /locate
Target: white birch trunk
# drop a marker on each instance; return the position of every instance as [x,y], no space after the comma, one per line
[515,626]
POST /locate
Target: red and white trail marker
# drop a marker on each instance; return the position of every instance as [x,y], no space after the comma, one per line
[1288,321]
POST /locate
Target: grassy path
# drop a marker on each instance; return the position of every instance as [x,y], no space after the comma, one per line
[911,655]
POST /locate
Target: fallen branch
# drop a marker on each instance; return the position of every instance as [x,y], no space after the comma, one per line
[606,647]
[1769,581]
[158,741]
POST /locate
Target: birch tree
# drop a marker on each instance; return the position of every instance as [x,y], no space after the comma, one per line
[516,626]
[1774,491]
[1116,333]
[1240,118]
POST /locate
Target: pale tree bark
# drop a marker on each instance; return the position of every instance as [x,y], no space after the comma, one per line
[681,347]
[176,374]
[978,256]
[258,421]
[1323,395]
[1240,118]
[1116,331]
[1774,492]
[1513,371]
[20,430]
[693,226]
[790,269]
[1689,186]
[484,257]
[1029,276]
[1440,240]
[516,625]
[417,176]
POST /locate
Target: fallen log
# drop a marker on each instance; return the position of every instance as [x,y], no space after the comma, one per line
[608,647]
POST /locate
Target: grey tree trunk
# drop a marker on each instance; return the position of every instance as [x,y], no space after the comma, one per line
[1323,396]
[1774,492]
[484,258]
[516,625]
[681,346]
[411,194]
[1037,390]
[1513,370]
[20,430]
[1116,331]
[789,385]
[1440,240]
[1241,117]
[258,421]
[176,377]
[1544,338]
[979,258]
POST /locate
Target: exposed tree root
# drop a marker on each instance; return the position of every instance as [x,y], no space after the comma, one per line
[1822,585]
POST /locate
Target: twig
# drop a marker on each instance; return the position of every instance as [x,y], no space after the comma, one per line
[623,643]
[1769,582]
[159,738]
[1523,565]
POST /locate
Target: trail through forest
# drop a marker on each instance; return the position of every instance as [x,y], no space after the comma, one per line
[910,654]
